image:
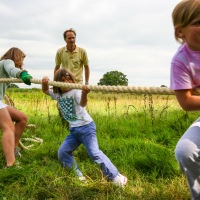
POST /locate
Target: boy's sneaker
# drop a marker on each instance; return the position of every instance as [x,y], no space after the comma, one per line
[82,178]
[79,174]
[18,153]
[120,180]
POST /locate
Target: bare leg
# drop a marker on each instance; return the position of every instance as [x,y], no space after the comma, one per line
[8,138]
[11,132]
[20,120]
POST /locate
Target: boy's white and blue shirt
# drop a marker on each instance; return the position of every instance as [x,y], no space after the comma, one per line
[71,110]
[67,108]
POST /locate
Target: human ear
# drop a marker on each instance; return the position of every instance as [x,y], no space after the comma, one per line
[179,32]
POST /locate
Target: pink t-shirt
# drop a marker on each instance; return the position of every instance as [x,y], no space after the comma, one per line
[185,69]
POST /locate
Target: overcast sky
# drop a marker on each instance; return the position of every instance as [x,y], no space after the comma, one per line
[134,37]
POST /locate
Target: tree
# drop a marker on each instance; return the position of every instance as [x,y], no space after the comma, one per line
[163,86]
[113,78]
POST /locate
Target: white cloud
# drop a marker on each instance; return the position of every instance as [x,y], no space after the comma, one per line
[5,10]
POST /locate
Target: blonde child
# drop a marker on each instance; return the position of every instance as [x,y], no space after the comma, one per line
[185,80]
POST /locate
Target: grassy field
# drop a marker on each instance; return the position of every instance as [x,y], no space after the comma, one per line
[137,132]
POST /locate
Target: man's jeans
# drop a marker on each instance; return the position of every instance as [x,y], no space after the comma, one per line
[85,135]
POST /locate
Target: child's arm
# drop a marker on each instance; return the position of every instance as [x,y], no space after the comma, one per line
[187,100]
[85,91]
[45,85]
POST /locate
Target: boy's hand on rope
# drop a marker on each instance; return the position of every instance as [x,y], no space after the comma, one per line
[45,80]
[26,78]
[45,85]
[85,89]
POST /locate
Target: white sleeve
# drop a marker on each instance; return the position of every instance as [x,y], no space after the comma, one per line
[52,94]
[10,68]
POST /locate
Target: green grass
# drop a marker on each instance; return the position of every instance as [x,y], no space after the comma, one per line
[137,132]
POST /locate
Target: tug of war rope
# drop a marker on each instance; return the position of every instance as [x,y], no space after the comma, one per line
[102,88]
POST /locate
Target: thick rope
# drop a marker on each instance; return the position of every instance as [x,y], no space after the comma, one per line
[102,88]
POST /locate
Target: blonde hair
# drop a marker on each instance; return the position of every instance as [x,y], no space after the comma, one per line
[16,55]
[184,13]
[58,76]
